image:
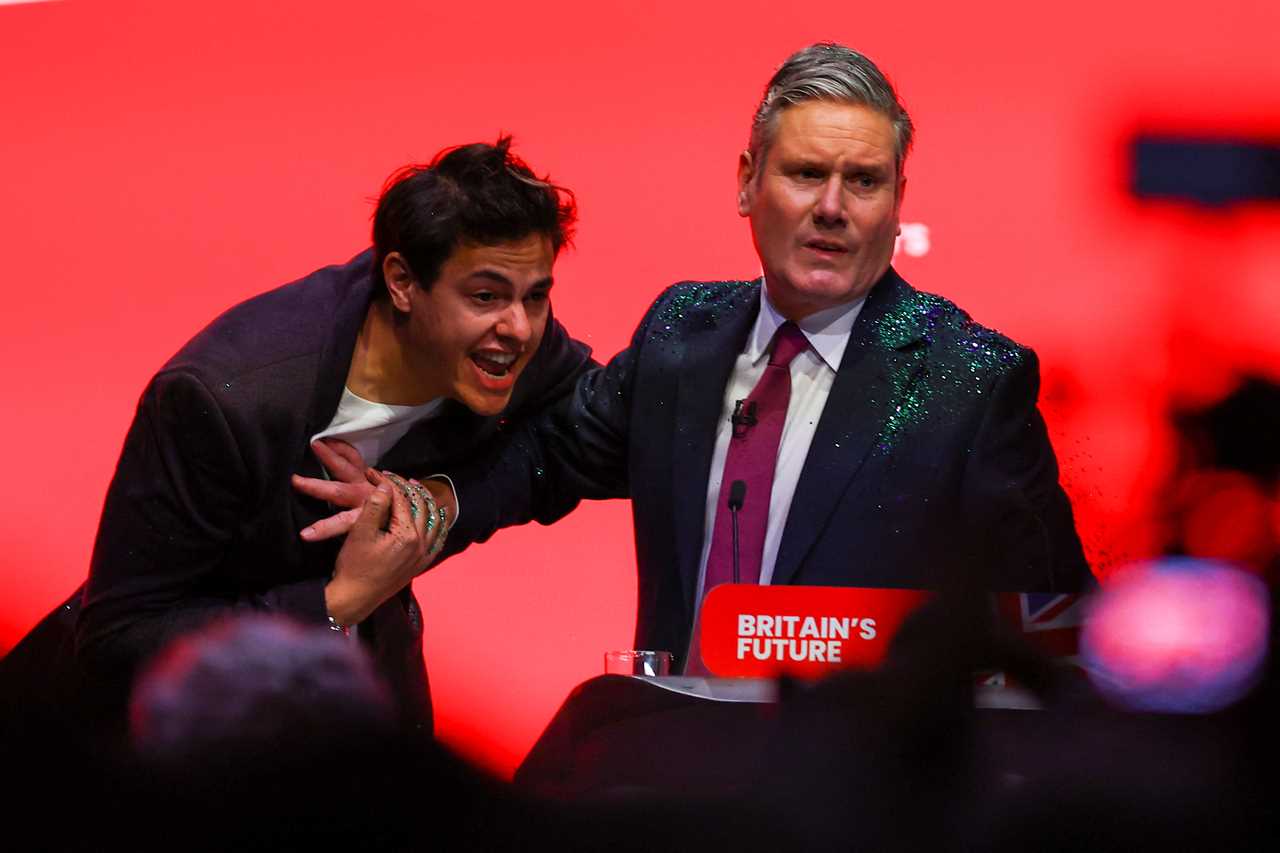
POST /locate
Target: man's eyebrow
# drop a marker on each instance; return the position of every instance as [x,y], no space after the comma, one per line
[499,278]
[801,161]
[877,169]
[492,275]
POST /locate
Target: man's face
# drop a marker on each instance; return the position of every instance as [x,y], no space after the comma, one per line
[476,327]
[823,205]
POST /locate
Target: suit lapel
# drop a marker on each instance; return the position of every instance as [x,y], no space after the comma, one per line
[446,437]
[339,346]
[704,364]
[352,296]
[879,365]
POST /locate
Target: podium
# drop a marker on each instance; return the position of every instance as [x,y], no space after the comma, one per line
[620,735]
[617,736]
[679,736]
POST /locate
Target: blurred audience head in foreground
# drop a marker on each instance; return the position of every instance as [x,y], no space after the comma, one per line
[255,683]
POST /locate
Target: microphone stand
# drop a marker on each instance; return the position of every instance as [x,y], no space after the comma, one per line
[736,572]
[737,494]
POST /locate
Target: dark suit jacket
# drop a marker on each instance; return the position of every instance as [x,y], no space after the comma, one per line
[200,519]
[930,464]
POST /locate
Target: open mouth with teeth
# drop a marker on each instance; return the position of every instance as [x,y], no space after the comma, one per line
[494,365]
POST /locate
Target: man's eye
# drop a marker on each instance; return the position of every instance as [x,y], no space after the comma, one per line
[865,182]
[483,296]
[810,174]
[538,296]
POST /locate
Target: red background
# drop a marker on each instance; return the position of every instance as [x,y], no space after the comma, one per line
[160,161]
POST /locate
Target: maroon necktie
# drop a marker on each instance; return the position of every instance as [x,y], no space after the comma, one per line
[752,458]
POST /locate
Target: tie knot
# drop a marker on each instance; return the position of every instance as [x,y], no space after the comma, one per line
[788,342]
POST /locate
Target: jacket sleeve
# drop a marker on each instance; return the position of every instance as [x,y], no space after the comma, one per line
[176,503]
[1016,507]
[556,366]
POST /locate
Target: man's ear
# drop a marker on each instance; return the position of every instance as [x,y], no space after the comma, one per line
[897,202]
[399,279]
[746,174]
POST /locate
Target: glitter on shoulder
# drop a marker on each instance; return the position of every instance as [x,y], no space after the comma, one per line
[693,300]
[958,361]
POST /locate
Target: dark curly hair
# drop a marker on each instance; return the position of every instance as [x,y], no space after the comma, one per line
[476,193]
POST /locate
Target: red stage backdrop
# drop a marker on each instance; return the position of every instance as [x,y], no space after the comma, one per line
[161,161]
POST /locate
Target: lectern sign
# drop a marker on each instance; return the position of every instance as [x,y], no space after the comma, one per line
[761,631]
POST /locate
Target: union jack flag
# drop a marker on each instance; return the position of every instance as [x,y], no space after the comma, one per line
[1047,621]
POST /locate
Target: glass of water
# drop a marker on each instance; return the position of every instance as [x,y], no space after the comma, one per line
[637,662]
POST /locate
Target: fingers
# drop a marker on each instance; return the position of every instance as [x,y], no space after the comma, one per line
[436,522]
[377,510]
[425,535]
[348,495]
[403,512]
[347,452]
[422,511]
[427,520]
[410,508]
[329,457]
[343,462]
[384,550]
[334,525]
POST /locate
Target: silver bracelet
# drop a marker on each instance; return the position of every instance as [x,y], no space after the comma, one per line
[334,626]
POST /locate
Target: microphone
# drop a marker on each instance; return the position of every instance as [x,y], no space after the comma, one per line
[743,417]
[737,494]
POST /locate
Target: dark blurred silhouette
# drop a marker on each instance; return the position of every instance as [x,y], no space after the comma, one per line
[256,683]
[1222,499]
[1211,172]
[261,734]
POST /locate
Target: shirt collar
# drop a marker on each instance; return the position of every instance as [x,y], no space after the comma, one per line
[827,330]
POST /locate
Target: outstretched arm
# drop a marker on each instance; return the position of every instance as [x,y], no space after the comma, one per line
[576,448]
[539,470]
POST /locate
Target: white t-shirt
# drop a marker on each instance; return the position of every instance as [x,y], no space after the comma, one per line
[374,428]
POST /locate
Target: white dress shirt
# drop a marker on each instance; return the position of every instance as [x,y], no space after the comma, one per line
[812,374]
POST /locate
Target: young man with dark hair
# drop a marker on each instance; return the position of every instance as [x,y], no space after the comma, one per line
[409,352]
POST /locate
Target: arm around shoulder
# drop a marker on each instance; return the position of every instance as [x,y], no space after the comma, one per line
[572,449]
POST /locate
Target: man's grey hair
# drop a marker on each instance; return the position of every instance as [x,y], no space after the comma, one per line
[829,72]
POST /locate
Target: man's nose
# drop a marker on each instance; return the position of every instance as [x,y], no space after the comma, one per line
[829,208]
[514,323]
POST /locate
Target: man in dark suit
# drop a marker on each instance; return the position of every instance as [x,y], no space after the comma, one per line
[413,352]
[883,437]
